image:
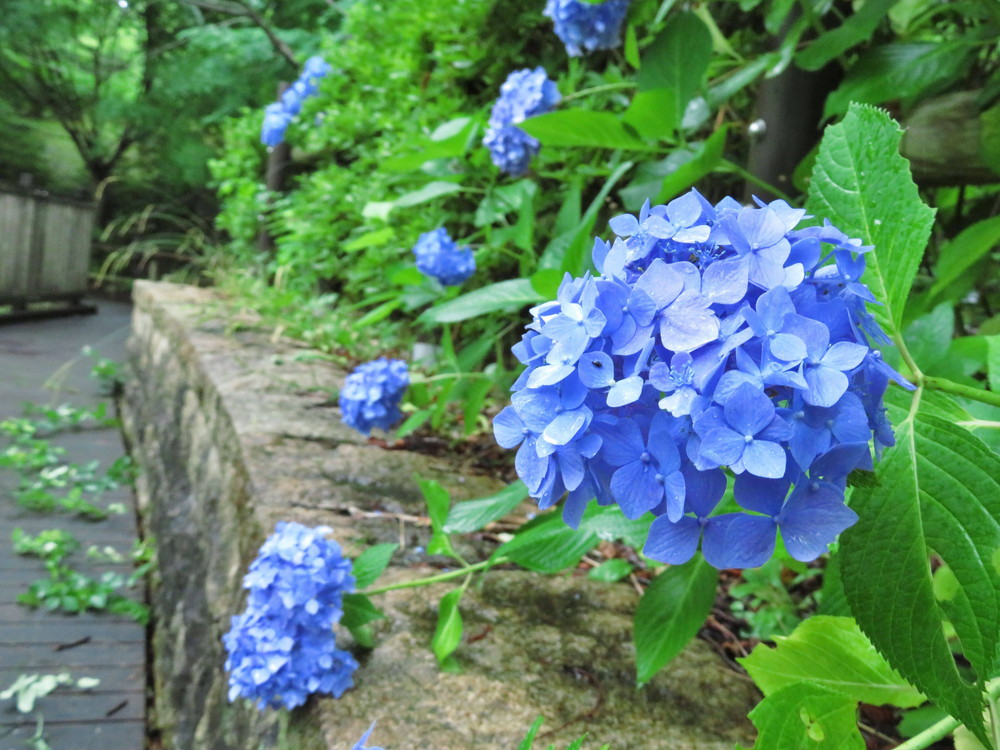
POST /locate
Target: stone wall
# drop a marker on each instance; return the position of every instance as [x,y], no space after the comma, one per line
[234,432]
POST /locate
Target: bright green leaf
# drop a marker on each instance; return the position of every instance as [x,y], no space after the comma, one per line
[610,570]
[834,653]
[677,60]
[993,362]
[807,717]
[448,633]
[547,545]
[631,47]
[427,193]
[507,295]
[368,566]
[472,515]
[369,239]
[939,493]
[529,738]
[670,613]
[438,503]
[547,282]
[359,611]
[652,113]
[581,127]
[863,186]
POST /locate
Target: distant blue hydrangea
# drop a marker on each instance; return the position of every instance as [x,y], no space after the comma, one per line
[524,94]
[371,394]
[282,648]
[439,257]
[586,27]
[715,337]
[360,744]
[278,116]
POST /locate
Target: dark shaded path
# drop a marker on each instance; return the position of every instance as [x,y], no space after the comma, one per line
[40,361]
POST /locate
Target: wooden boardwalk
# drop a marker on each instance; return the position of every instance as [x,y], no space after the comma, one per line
[111,648]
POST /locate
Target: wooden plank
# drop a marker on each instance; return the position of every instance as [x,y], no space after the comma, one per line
[35,656]
[63,631]
[122,735]
[80,706]
[16,225]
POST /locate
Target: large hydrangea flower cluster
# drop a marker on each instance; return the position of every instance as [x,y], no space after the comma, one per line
[524,94]
[714,336]
[585,26]
[371,394]
[282,648]
[439,257]
[279,115]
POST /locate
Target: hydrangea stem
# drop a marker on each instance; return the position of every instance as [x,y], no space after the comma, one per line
[600,89]
[957,389]
[943,384]
[946,726]
[457,573]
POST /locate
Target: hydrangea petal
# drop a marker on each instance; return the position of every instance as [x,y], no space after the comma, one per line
[812,519]
[672,543]
[635,488]
[736,540]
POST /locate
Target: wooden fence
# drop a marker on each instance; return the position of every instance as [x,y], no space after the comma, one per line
[44,249]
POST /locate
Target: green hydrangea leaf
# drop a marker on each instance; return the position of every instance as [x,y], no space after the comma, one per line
[834,653]
[582,128]
[448,633]
[547,545]
[939,492]
[863,186]
[677,60]
[670,613]
[368,566]
[803,716]
[472,515]
[509,295]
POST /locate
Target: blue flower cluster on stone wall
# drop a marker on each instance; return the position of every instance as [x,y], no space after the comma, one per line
[371,394]
[715,336]
[282,648]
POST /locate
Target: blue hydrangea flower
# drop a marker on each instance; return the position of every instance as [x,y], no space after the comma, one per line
[360,744]
[586,27]
[276,120]
[440,258]
[718,344]
[282,648]
[279,115]
[524,94]
[371,394]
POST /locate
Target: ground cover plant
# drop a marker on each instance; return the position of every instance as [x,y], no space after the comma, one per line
[809,378]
